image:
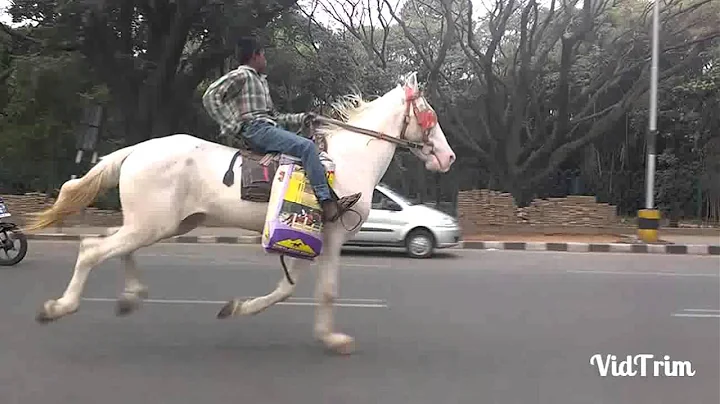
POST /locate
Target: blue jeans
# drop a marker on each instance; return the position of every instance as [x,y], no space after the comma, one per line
[263,137]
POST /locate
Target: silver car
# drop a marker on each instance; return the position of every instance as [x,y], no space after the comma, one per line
[395,221]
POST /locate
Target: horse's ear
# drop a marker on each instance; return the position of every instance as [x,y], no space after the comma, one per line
[411,80]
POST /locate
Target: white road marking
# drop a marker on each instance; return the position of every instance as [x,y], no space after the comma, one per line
[703,310]
[698,313]
[678,274]
[356,303]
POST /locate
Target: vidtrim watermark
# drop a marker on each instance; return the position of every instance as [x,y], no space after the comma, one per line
[642,365]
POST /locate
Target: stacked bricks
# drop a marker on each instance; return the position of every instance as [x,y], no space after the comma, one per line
[476,209]
[96,218]
[573,210]
[483,207]
[21,205]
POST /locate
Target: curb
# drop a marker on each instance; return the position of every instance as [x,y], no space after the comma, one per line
[676,249]
[637,248]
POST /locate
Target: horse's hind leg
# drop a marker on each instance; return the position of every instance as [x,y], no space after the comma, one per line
[135,291]
[283,290]
[92,252]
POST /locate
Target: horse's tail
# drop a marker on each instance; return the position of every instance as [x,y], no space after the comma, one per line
[78,193]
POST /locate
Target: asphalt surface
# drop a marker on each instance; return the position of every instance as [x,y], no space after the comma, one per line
[464,327]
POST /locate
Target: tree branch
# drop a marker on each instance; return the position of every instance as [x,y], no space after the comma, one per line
[641,87]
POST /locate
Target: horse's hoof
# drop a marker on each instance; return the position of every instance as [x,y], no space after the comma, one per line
[53,310]
[47,312]
[130,301]
[346,348]
[43,318]
[228,309]
[341,343]
[126,306]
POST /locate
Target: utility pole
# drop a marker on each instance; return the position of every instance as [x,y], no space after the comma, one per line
[87,134]
[649,218]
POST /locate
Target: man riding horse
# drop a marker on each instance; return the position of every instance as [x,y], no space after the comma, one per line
[240,103]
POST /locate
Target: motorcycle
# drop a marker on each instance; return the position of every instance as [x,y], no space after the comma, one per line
[11,239]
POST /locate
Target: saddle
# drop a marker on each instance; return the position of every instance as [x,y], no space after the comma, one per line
[257,170]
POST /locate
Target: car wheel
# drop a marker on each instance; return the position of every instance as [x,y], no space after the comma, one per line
[419,243]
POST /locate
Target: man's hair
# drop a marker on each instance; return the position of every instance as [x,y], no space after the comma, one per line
[247,47]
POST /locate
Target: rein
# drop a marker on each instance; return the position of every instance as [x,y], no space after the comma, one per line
[378,135]
[427,119]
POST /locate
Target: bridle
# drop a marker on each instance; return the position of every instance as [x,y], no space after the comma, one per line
[426,118]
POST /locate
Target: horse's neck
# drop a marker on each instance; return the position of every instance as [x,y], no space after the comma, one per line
[361,159]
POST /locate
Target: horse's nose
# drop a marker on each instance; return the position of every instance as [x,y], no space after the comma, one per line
[451,159]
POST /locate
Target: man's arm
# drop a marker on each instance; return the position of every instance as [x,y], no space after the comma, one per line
[292,122]
[227,112]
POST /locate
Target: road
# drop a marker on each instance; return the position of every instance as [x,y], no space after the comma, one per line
[465,327]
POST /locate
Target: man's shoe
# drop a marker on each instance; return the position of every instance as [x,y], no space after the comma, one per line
[333,209]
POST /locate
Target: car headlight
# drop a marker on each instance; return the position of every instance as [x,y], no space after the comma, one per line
[448,222]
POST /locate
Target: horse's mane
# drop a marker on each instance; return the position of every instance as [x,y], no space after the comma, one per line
[349,106]
[345,109]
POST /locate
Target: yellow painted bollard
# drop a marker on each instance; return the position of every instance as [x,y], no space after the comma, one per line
[648,225]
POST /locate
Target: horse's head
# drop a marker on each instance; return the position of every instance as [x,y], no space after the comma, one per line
[421,126]
[402,116]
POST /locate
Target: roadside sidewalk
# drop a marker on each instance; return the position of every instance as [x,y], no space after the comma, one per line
[671,244]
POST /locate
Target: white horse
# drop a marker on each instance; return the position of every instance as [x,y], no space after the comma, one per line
[170,185]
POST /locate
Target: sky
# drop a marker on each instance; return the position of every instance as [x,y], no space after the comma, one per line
[4,18]
[323,19]
[5,4]
[479,8]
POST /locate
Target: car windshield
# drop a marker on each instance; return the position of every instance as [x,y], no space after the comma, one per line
[397,195]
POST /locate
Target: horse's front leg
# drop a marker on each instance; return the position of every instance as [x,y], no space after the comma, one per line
[326,294]
[284,290]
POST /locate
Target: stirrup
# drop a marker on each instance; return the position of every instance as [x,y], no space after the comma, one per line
[342,205]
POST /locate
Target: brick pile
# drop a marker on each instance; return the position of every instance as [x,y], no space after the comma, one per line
[480,207]
[484,207]
[476,209]
[96,218]
[573,210]
[21,205]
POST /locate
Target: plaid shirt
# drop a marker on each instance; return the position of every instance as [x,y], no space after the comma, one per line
[240,96]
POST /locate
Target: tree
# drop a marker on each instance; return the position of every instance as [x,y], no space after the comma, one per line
[151,54]
[688,171]
[545,82]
